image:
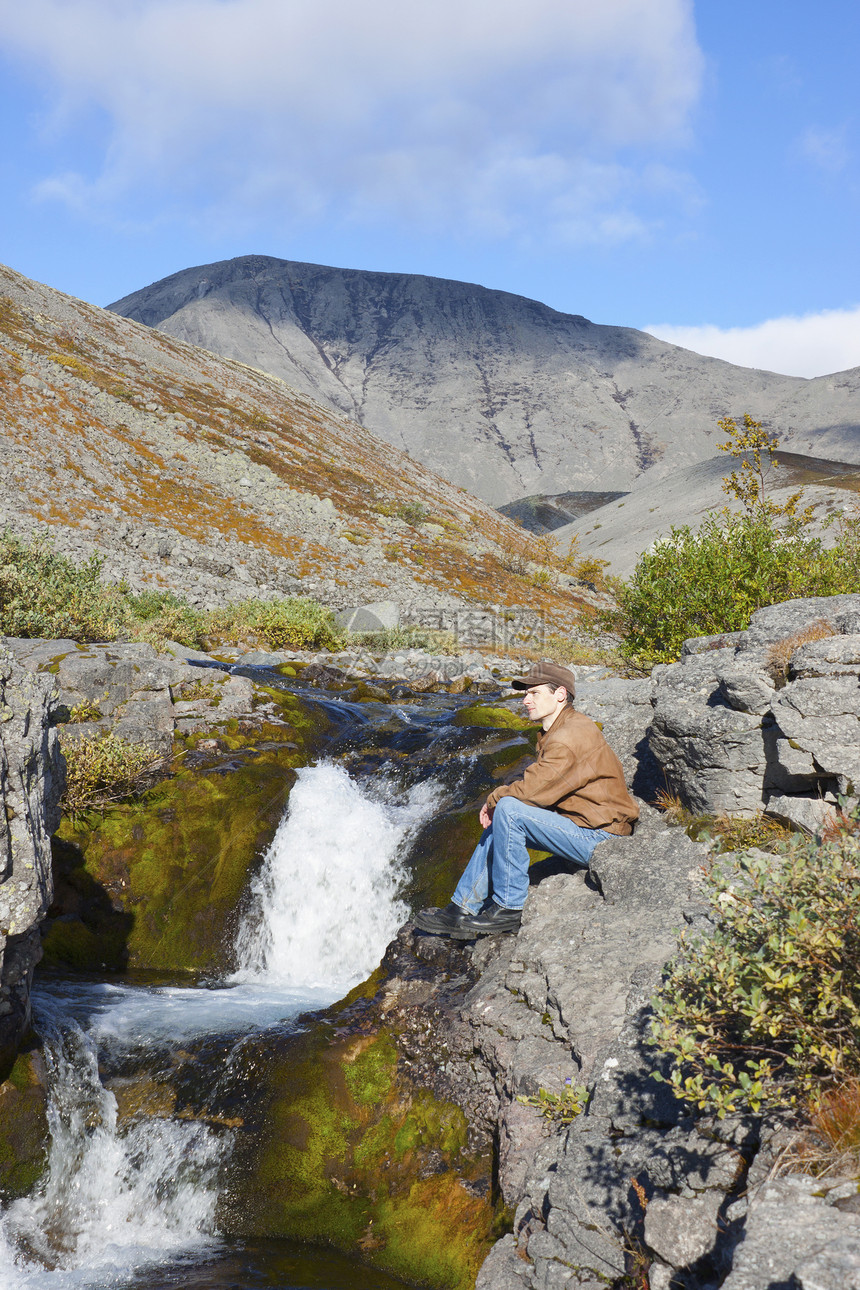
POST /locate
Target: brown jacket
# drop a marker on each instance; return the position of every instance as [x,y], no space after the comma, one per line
[577,774]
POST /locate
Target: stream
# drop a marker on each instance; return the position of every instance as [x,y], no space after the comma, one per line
[130,1198]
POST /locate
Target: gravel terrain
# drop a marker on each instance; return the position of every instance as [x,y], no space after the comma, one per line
[216,481]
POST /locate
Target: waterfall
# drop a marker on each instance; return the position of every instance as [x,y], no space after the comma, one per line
[116,1199]
[111,1201]
[325,903]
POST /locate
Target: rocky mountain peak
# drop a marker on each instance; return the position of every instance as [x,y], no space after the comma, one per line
[497,393]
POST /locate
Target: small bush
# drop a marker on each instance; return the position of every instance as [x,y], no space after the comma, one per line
[573,653]
[295,623]
[392,638]
[160,616]
[101,769]
[412,512]
[766,1012]
[45,594]
[85,711]
[516,551]
[560,1108]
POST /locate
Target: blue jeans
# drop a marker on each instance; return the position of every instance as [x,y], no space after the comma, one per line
[500,861]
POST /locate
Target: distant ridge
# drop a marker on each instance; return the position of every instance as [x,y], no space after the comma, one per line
[499,394]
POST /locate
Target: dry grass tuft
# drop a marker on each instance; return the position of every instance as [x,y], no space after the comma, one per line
[779,654]
[837,1118]
[839,826]
[829,1141]
[728,832]
[103,769]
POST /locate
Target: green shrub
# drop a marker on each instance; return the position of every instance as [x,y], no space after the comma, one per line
[712,580]
[160,616]
[101,769]
[766,1012]
[412,512]
[46,594]
[43,594]
[429,639]
[86,710]
[561,1108]
[294,623]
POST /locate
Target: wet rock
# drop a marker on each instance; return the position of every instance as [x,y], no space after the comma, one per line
[23,1126]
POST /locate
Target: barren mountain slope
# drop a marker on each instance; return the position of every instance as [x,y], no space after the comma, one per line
[498,393]
[202,475]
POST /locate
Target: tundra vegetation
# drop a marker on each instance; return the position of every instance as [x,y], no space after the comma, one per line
[45,594]
[764,1013]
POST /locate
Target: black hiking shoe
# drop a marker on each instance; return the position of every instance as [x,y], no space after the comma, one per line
[461,926]
[492,921]
[441,922]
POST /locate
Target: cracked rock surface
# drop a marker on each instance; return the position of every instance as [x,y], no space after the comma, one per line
[768,718]
[31,781]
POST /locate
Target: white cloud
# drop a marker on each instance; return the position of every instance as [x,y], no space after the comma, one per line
[825,149]
[812,345]
[472,114]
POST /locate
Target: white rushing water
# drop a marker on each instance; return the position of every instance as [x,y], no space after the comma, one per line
[326,900]
[117,1198]
[110,1202]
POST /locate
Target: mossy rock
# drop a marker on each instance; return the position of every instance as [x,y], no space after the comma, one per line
[23,1127]
[156,883]
[439,856]
[352,1158]
[496,718]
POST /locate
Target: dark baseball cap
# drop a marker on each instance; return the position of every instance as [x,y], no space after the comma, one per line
[546,673]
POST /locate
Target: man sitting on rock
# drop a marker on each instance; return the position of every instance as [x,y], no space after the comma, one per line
[568,800]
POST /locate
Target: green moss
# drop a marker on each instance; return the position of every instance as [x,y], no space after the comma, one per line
[368,1077]
[439,856]
[72,944]
[23,1129]
[437,1234]
[479,714]
[429,1121]
[351,1157]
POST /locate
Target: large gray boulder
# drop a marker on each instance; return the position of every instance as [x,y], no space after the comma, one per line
[31,783]
[795,1234]
[768,718]
[568,999]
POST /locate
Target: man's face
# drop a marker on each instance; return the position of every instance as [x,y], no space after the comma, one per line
[540,701]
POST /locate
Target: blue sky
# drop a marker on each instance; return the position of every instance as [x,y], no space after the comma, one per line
[691,168]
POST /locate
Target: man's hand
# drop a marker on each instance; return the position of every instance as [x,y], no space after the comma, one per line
[486,816]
